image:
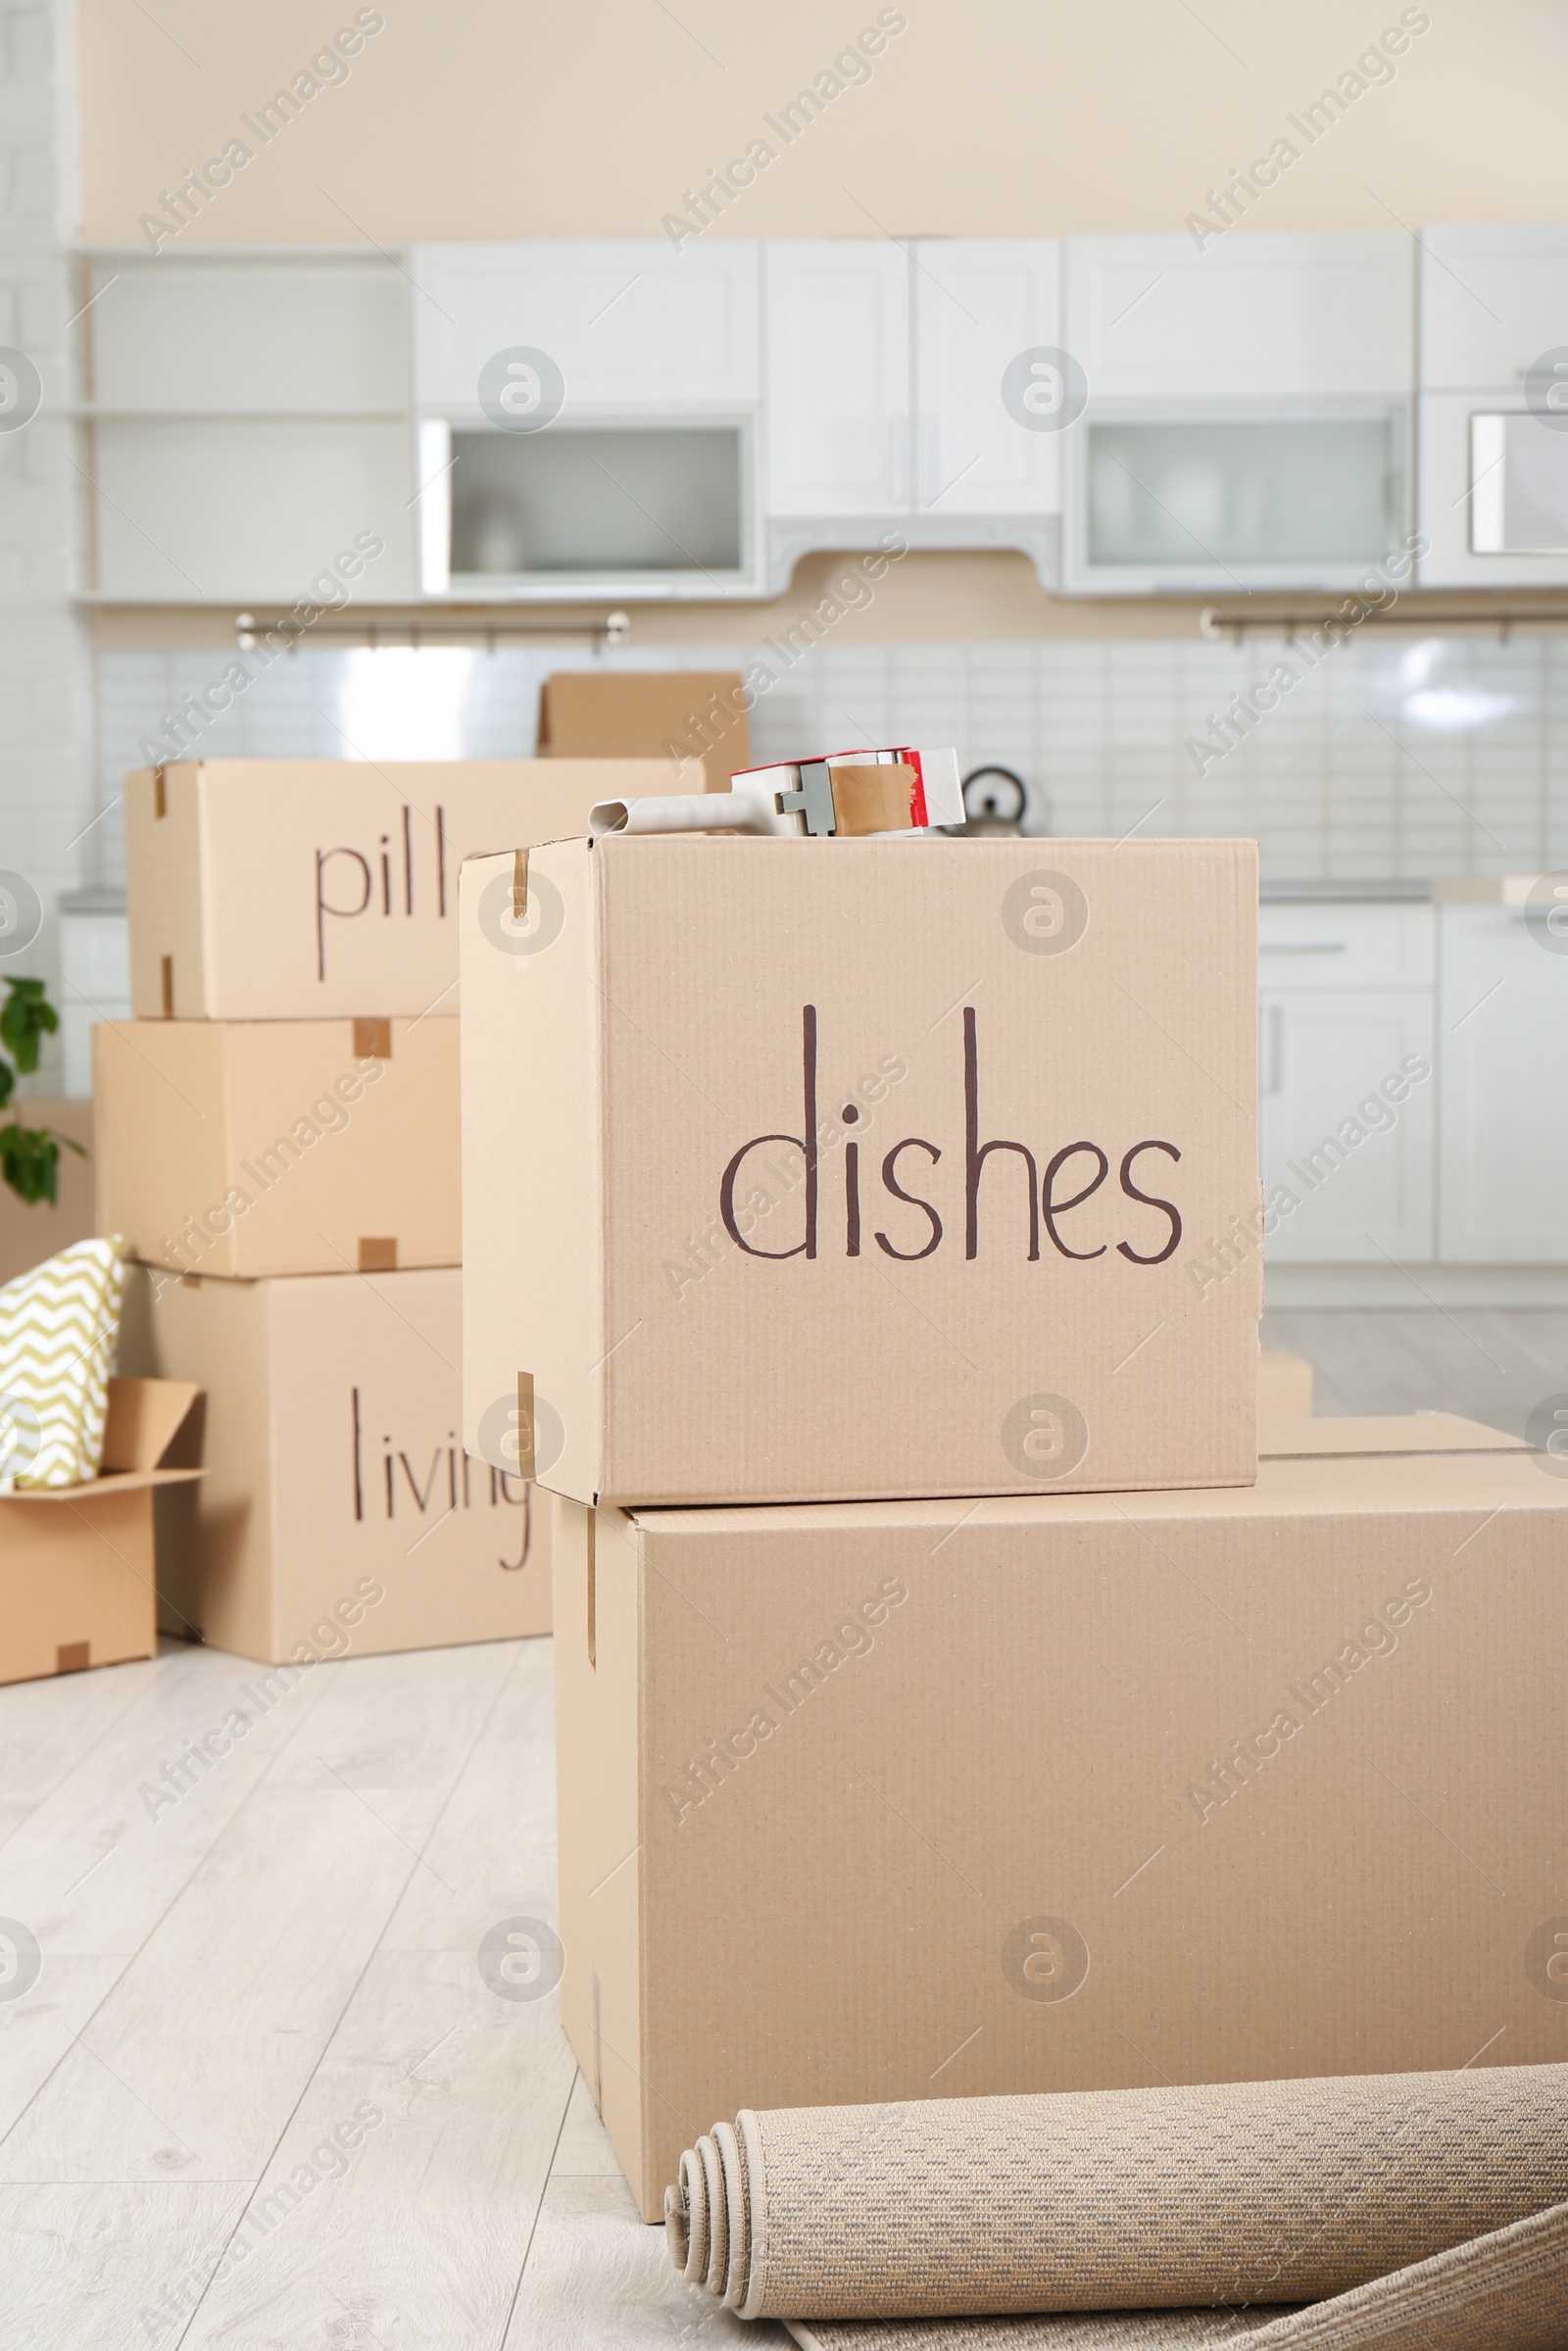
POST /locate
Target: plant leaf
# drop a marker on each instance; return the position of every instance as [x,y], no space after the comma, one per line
[26,1019]
[30,1161]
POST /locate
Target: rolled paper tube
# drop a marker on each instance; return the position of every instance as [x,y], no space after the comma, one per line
[1238,2195]
[741,811]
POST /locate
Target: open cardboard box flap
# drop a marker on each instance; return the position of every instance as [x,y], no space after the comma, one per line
[145,1418]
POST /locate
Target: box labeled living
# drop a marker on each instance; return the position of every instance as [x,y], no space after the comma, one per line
[307,889]
[871,1166]
[77,1562]
[250,1147]
[879,1802]
[338,1510]
[693,721]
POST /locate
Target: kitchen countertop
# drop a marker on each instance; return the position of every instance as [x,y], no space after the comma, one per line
[1332,892]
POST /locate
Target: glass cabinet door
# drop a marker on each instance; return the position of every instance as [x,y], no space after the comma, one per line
[1303,494]
[1519,486]
[640,498]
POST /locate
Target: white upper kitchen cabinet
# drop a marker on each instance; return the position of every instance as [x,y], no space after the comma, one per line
[1247,412]
[633,325]
[837,373]
[199,334]
[1493,505]
[1494,301]
[979,306]
[1253,316]
[243,511]
[246,421]
[1494,491]
[1503,1150]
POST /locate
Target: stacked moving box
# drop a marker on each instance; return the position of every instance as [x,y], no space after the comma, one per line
[949,1699]
[278,1139]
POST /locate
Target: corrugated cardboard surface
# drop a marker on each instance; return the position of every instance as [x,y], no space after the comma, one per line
[684,717]
[76,1585]
[253,1147]
[77,1562]
[306,889]
[29,1231]
[520,1166]
[667,1003]
[1062,1792]
[335,1470]
[1285,1384]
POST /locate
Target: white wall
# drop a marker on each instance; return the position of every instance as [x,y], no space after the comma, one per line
[45,681]
[982,118]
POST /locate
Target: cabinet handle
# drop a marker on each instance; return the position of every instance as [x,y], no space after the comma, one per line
[928,462]
[1302,946]
[1274,1057]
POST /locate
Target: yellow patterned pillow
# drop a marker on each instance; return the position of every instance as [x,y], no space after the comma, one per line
[58,1328]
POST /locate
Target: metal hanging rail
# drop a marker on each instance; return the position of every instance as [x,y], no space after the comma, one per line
[1405,612]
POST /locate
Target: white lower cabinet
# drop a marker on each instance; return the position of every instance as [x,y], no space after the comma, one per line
[1414,1111]
[1503,1151]
[1346,1124]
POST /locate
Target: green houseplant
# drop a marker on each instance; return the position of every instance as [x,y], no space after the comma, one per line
[30,1156]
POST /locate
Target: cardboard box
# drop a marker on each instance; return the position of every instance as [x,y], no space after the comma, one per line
[268,1147]
[77,1562]
[308,889]
[30,1231]
[679,716]
[338,1510]
[907,1800]
[1284,1386]
[873,1166]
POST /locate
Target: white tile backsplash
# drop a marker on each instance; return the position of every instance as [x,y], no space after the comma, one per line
[1399,758]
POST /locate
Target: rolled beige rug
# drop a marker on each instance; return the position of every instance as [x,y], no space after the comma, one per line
[1232,2197]
[1507,2291]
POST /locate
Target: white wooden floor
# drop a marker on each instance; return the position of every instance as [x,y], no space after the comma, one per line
[287,1959]
[1492,1364]
[290,1947]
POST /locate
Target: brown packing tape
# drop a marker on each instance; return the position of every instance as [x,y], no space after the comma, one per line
[74,1657]
[378,1255]
[525,1424]
[372,1040]
[593,1588]
[872,798]
[159,793]
[519,885]
[166,985]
